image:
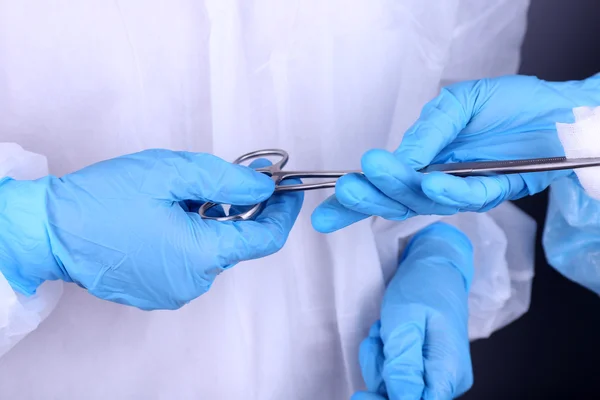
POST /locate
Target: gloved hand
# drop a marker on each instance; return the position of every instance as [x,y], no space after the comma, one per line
[123,228]
[512,117]
[420,348]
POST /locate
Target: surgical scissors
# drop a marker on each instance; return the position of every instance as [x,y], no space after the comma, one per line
[464,169]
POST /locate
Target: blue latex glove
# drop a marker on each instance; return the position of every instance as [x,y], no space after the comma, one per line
[505,118]
[420,348]
[123,228]
[572,233]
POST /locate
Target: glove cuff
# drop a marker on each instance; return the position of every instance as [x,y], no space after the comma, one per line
[26,258]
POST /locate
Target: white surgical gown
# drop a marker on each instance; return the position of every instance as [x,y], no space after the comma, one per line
[86,80]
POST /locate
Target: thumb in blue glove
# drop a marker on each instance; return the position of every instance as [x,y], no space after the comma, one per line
[123,230]
[420,347]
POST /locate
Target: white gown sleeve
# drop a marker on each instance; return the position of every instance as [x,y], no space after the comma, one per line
[572,233]
[20,315]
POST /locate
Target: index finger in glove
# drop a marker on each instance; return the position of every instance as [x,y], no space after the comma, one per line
[331,215]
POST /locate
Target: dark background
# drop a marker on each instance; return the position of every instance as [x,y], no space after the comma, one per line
[553,351]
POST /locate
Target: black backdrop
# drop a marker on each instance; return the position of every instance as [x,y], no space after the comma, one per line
[554,350]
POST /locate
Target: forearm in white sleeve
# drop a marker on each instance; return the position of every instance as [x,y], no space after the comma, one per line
[572,233]
[20,315]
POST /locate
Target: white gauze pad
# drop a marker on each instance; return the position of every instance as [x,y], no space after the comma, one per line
[581,139]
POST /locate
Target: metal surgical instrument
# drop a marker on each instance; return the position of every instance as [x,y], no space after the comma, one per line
[464,169]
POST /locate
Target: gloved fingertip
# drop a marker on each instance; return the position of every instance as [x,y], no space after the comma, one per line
[323,217]
[291,181]
[262,188]
[323,220]
[451,243]
[240,185]
[350,190]
[331,216]
[260,163]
